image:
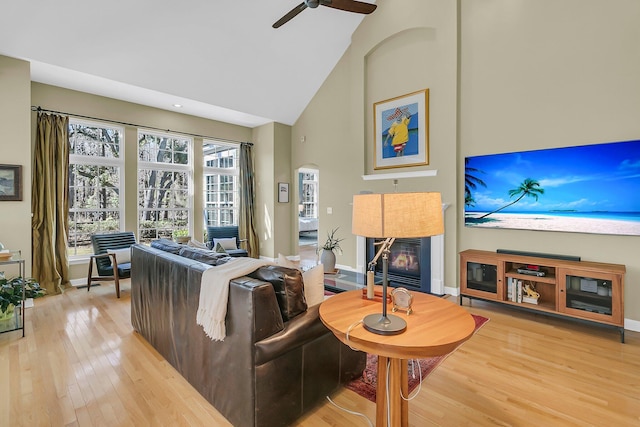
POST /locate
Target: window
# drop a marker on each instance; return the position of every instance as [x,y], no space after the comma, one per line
[164,185]
[309,191]
[221,183]
[96,166]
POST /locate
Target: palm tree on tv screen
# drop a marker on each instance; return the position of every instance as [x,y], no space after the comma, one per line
[529,187]
[471,182]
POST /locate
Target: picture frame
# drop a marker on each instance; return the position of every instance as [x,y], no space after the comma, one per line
[401,131]
[10,183]
[283,192]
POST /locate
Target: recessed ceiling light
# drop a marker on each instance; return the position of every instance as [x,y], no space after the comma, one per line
[177,105]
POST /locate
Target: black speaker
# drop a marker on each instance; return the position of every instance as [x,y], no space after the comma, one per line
[538,254]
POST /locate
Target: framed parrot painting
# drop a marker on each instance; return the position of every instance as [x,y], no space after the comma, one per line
[402,131]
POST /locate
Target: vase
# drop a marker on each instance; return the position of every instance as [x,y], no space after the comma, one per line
[8,314]
[183,240]
[328,260]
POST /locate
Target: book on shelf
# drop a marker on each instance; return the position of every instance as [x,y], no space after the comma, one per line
[529,300]
[519,297]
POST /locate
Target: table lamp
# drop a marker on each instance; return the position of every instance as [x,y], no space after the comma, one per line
[391,216]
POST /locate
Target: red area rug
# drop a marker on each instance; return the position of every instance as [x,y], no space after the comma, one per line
[366,385]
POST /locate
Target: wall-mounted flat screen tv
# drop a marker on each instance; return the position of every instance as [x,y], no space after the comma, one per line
[582,189]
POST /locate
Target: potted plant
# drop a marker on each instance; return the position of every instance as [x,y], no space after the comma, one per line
[181,236]
[328,256]
[11,293]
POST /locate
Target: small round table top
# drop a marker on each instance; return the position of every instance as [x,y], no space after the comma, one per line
[434,328]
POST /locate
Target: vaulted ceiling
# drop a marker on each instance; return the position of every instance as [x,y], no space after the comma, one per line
[219,59]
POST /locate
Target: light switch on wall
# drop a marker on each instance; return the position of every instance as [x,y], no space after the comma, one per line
[329,211]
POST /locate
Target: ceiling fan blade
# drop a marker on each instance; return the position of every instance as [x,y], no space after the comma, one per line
[350,5]
[289,16]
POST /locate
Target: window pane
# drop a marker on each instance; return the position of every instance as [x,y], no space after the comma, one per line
[94,186]
[97,141]
[220,156]
[163,149]
[163,194]
[221,183]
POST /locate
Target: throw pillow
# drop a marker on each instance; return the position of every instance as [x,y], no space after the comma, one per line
[219,248]
[288,286]
[195,244]
[228,244]
[123,256]
[314,285]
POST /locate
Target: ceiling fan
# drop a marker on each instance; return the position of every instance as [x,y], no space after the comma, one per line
[348,5]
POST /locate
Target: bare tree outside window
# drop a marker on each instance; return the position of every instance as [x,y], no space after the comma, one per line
[164,184]
[95,183]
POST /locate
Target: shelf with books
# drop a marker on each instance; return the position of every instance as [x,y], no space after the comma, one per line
[542,294]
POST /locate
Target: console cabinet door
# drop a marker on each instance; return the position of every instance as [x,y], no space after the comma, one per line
[482,277]
[591,295]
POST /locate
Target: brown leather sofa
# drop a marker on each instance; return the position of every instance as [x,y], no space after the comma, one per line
[267,371]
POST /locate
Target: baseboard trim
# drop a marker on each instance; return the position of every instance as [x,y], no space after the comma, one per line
[78,282]
[452,291]
[632,325]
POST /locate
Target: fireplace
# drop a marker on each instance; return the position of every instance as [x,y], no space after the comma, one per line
[409,263]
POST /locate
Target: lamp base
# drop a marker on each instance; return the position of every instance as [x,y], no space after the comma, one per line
[384,325]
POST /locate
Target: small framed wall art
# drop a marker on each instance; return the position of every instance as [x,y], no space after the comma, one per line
[401,130]
[283,192]
[10,182]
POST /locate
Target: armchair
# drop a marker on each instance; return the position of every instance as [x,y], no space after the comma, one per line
[112,255]
[226,232]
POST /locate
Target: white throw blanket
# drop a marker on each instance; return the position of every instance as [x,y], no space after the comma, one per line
[214,293]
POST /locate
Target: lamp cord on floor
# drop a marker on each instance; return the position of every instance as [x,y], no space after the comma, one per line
[350,412]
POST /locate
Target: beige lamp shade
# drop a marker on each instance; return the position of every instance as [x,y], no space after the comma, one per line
[397,215]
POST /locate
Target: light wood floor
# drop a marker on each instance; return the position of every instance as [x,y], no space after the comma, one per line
[81,364]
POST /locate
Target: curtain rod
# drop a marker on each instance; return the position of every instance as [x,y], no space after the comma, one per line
[43,110]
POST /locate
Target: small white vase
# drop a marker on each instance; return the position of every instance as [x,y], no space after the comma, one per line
[328,260]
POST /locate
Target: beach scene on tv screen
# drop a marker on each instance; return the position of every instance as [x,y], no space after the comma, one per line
[583,189]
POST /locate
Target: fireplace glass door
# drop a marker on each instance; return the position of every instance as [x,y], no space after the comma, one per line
[409,263]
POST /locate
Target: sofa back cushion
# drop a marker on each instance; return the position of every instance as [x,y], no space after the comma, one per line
[289,288]
[166,245]
[204,255]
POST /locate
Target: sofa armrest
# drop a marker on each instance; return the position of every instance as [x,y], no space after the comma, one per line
[266,316]
[298,331]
